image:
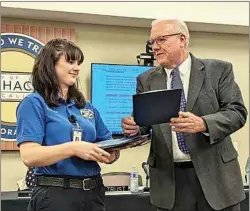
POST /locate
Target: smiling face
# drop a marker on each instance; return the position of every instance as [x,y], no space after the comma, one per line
[169,42]
[67,72]
[56,70]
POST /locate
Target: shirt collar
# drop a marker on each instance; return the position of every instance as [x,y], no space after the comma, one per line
[184,67]
[61,100]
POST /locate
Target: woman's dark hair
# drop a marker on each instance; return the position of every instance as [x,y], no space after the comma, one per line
[44,78]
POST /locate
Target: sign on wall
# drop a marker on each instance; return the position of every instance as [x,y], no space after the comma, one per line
[20,44]
[15,84]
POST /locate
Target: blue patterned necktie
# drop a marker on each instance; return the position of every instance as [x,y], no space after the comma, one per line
[176,83]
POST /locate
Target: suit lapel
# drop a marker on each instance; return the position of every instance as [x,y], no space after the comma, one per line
[158,81]
[197,76]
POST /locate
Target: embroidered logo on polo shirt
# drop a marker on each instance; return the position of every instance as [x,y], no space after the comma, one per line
[87,113]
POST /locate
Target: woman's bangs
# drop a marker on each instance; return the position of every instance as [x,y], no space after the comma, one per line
[73,53]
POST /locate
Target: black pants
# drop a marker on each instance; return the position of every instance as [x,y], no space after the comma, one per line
[189,195]
[60,199]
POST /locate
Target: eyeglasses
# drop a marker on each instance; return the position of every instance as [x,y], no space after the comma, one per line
[162,39]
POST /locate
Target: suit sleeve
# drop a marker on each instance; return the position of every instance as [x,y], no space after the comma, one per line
[140,89]
[232,113]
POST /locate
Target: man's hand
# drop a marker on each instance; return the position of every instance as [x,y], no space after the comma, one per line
[129,126]
[188,123]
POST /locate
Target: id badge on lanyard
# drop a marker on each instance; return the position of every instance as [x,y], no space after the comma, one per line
[77,132]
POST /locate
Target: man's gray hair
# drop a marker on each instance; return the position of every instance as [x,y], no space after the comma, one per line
[177,26]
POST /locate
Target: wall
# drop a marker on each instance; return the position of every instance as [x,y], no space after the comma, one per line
[221,11]
[113,44]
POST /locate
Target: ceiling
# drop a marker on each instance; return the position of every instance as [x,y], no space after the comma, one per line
[112,20]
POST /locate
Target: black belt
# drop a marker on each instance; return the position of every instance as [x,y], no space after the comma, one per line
[85,183]
[183,165]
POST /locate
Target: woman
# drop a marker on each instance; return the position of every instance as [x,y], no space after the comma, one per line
[49,121]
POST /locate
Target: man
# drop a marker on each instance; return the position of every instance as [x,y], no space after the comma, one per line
[247,171]
[193,164]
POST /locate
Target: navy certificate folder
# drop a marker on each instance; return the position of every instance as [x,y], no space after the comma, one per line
[156,107]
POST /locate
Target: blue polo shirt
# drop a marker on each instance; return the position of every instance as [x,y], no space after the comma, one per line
[50,126]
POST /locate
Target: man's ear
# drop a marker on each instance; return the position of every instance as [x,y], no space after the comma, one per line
[183,40]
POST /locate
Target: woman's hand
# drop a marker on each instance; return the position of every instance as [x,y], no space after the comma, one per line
[90,151]
[114,155]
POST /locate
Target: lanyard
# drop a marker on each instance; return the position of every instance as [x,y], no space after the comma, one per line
[76,131]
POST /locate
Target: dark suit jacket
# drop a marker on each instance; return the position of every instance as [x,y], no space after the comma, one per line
[214,95]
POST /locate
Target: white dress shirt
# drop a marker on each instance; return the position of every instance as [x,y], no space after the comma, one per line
[185,70]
